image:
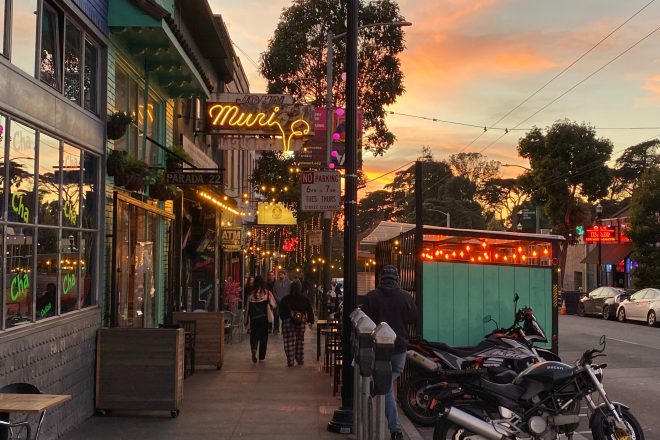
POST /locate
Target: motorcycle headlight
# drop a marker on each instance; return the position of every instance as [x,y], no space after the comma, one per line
[598,371]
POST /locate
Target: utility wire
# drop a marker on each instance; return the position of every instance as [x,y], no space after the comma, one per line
[570,89]
[389,172]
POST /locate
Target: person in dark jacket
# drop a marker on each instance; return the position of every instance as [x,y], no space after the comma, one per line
[395,306]
[257,316]
[296,312]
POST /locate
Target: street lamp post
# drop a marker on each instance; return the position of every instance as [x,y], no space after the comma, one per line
[342,421]
[599,213]
[442,212]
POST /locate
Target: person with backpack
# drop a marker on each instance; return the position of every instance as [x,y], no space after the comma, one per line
[258,315]
[296,312]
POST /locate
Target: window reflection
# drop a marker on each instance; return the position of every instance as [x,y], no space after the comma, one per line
[70,186]
[88,269]
[3,128]
[24,35]
[21,173]
[47,271]
[49,60]
[89,84]
[49,180]
[18,295]
[72,62]
[2,26]
[69,270]
[90,191]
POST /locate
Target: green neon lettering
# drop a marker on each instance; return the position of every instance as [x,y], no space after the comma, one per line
[68,282]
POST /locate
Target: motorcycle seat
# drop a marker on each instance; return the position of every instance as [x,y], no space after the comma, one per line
[461,351]
[509,390]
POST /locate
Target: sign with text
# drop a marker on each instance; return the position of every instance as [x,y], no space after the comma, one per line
[315,237]
[231,239]
[254,143]
[320,191]
[260,114]
[193,178]
[274,214]
[600,234]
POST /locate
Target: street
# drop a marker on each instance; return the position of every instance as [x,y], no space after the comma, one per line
[633,373]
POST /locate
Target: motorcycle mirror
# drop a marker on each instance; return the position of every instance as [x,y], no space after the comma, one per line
[602,343]
[487,318]
[515,297]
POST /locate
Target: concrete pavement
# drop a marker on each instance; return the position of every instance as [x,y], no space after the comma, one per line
[242,401]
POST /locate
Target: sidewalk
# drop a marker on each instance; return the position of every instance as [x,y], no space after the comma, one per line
[242,401]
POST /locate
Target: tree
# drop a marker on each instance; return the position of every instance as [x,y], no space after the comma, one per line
[475,167]
[274,179]
[504,198]
[644,230]
[568,169]
[375,206]
[632,164]
[295,61]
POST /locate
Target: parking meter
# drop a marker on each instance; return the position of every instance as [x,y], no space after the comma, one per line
[354,317]
[383,337]
[365,354]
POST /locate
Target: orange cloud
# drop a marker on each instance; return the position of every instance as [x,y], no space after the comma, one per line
[652,87]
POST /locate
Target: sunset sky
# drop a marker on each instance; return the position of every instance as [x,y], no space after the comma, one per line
[473,62]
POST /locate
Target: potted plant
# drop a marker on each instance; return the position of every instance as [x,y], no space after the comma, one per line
[136,173]
[173,161]
[160,190]
[117,123]
[116,166]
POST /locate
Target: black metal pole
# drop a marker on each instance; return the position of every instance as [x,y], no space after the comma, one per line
[599,274]
[419,239]
[342,421]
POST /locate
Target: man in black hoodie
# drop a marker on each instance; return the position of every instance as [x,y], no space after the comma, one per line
[395,306]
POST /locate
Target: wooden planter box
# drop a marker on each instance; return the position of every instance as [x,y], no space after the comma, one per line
[209,336]
[139,369]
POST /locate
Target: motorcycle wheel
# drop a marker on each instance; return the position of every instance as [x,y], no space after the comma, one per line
[446,430]
[602,426]
[415,400]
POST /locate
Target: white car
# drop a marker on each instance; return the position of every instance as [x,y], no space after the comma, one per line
[643,305]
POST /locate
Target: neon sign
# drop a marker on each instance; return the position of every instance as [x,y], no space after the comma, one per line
[68,282]
[19,208]
[19,286]
[600,234]
[47,308]
[69,213]
[258,114]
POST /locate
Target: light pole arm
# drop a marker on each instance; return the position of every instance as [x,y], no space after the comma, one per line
[442,212]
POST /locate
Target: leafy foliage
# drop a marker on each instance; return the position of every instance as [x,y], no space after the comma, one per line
[644,229]
[374,207]
[272,178]
[295,61]
[504,197]
[631,164]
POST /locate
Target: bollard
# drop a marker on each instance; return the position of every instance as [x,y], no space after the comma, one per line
[364,363]
[383,338]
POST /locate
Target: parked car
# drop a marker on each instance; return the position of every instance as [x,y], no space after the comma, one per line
[643,305]
[602,301]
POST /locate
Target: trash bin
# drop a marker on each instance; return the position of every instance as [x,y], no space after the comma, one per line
[571,299]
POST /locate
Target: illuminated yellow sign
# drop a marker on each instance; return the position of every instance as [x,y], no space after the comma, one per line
[70,213]
[256,114]
[19,208]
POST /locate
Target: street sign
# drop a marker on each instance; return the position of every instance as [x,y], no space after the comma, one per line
[231,239]
[320,191]
[315,237]
[193,178]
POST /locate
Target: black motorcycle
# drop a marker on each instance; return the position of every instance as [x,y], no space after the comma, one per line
[543,402]
[440,369]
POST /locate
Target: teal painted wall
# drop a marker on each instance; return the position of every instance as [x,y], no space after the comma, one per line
[457,296]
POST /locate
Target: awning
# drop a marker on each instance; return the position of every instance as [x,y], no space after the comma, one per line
[153,40]
[609,254]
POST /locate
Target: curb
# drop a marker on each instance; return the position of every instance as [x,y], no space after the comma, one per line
[408,427]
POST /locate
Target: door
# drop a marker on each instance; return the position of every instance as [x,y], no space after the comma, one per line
[633,308]
[591,302]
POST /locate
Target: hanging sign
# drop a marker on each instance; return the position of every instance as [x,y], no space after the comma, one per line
[315,237]
[260,114]
[320,191]
[274,214]
[193,178]
[231,239]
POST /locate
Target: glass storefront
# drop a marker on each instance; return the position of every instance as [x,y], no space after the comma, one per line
[49,264]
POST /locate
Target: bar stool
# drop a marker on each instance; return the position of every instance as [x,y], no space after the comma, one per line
[189,328]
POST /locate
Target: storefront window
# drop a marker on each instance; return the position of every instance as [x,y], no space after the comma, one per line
[21,173]
[72,62]
[19,257]
[70,186]
[48,264]
[24,35]
[2,26]
[90,191]
[69,273]
[88,268]
[3,129]
[49,62]
[49,180]
[121,103]
[89,83]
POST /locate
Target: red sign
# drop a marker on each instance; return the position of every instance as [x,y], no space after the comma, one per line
[600,234]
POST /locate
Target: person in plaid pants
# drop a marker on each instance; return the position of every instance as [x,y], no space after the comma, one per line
[296,312]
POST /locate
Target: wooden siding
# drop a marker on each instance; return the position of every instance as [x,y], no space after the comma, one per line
[457,296]
[96,11]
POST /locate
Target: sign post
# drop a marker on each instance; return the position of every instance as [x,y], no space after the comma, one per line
[320,191]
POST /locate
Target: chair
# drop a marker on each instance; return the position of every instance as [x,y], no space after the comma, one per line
[234,326]
[189,328]
[21,388]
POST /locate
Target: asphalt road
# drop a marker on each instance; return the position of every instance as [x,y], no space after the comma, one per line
[633,373]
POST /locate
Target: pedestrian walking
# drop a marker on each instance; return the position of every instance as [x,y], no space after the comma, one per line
[258,313]
[281,289]
[296,312]
[395,306]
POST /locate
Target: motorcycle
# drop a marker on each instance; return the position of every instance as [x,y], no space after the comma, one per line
[441,368]
[543,402]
